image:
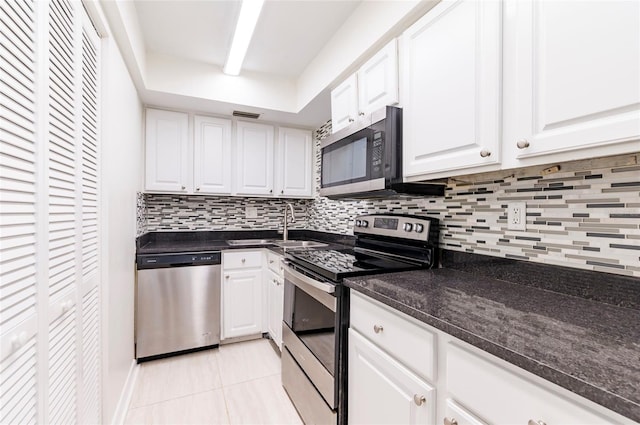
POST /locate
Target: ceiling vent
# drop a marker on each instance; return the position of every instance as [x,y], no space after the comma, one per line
[243,114]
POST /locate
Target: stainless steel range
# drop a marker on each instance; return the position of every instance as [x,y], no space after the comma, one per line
[316,306]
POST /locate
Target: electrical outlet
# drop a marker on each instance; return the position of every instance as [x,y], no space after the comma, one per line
[251,212]
[517,216]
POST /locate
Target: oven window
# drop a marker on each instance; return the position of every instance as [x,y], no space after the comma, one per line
[313,323]
[345,164]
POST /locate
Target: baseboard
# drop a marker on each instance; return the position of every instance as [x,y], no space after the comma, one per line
[125,397]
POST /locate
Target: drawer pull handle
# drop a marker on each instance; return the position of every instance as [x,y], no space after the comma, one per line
[419,399]
[377,328]
[451,421]
[532,422]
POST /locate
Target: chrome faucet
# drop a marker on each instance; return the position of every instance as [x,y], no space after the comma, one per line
[285,231]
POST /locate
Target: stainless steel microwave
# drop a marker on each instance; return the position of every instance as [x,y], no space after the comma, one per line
[364,160]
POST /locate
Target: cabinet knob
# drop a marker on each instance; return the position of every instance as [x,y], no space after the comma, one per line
[197,188]
[19,340]
[243,260]
[270,261]
[419,399]
[377,328]
[361,114]
[485,153]
[282,192]
[522,144]
[184,187]
[532,422]
[451,421]
[351,120]
[226,277]
[270,190]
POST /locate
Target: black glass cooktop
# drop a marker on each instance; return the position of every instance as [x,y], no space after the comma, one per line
[336,265]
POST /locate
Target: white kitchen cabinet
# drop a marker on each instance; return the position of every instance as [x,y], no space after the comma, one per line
[242,293]
[254,159]
[344,103]
[512,398]
[167,156]
[372,87]
[572,89]
[378,80]
[294,163]
[275,302]
[451,79]
[211,155]
[382,390]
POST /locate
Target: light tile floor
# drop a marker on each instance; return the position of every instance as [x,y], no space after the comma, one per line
[235,384]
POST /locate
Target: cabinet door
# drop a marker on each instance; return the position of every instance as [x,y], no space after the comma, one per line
[167,157]
[378,80]
[254,159]
[242,303]
[295,163]
[451,88]
[344,104]
[212,155]
[573,70]
[382,391]
[275,301]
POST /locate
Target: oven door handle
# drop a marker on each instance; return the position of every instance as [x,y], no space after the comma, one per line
[299,277]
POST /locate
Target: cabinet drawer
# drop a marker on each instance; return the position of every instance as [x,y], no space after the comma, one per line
[395,333]
[274,261]
[501,396]
[241,260]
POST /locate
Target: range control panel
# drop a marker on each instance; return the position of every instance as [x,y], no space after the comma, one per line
[396,226]
[151,261]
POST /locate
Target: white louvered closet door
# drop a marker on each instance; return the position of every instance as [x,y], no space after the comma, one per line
[18,184]
[90,394]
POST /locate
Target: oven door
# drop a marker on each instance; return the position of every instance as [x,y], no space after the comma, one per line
[309,329]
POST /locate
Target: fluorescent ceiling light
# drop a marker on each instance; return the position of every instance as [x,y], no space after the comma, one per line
[249,13]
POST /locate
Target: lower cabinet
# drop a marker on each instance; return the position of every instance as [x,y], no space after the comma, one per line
[473,386]
[382,390]
[275,301]
[242,294]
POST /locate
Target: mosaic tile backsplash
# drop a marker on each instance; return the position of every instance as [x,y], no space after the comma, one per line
[586,219]
[197,212]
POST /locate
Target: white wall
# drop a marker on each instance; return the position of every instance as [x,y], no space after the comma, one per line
[122,159]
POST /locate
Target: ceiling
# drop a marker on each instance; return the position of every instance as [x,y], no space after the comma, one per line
[289,33]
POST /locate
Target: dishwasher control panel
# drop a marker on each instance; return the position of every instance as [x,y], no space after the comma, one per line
[154,261]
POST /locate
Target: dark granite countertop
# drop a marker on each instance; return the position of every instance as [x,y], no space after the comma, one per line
[198,241]
[589,347]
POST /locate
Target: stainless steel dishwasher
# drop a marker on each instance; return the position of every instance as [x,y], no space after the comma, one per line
[177,303]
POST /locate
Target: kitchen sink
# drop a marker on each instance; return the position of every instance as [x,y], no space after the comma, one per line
[251,242]
[299,244]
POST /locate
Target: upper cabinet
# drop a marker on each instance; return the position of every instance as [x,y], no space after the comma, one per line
[167,151]
[372,87]
[572,74]
[294,162]
[219,159]
[254,158]
[344,103]
[211,153]
[451,79]
[378,80]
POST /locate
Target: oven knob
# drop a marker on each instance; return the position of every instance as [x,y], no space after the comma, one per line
[358,223]
[408,227]
[364,223]
[419,228]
